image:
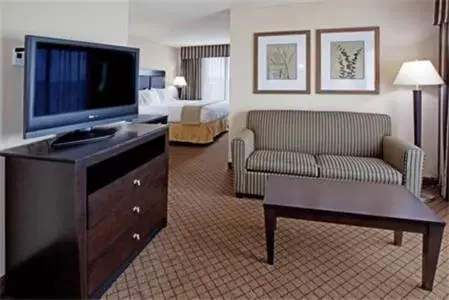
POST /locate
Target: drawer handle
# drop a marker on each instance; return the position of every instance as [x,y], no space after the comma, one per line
[136,209]
[136,182]
[136,236]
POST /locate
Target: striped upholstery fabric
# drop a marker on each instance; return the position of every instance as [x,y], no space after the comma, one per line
[358,168]
[345,146]
[284,162]
[241,148]
[406,158]
[320,132]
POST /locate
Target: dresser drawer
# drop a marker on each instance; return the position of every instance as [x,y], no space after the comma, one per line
[104,233]
[120,195]
[149,191]
[129,243]
[153,185]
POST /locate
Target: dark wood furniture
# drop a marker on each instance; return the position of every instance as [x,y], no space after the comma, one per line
[354,203]
[76,217]
[150,119]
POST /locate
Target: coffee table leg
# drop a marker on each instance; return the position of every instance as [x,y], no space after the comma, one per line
[270,227]
[431,250]
[398,238]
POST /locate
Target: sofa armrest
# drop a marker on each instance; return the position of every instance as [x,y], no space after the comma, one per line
[242,146]
[408,159]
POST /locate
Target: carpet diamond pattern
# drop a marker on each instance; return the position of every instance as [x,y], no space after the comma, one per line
[214,248]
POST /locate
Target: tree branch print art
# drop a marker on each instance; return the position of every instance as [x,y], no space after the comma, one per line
[350,60]
[281,61]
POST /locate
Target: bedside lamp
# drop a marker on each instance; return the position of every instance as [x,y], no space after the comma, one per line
[179,82]
[418,73]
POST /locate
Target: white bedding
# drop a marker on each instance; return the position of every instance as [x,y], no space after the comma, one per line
[173,109]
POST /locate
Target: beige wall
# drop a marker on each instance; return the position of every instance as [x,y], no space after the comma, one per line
[406,33]
[98,22]
[105,22]
[156,56]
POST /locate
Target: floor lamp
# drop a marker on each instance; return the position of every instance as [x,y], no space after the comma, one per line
[417,73]
[179,83]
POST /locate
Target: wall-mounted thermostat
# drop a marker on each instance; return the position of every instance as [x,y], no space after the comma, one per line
[18,56]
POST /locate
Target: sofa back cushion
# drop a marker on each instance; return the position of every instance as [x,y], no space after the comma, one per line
[320,132]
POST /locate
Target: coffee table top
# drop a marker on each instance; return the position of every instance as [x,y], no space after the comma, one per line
[362,198]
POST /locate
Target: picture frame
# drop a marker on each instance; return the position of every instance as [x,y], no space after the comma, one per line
[347,60]
[282,62]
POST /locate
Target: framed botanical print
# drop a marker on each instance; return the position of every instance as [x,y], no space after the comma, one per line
[282,62]
[347,60]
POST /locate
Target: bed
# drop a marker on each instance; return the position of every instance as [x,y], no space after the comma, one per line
[190,121]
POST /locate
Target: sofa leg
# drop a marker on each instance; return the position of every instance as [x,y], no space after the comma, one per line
[239,195]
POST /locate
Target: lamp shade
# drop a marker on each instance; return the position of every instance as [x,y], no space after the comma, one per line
[418,73]
[179,81]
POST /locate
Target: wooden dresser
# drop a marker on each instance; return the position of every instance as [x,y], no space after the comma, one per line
[76,217]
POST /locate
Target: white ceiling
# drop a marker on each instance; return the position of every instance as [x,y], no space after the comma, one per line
[187,22]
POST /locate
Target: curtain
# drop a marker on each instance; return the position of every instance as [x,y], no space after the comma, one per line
[61,81]
[191,67]
[205,51]
[441,19]
[191,70]
[214,78]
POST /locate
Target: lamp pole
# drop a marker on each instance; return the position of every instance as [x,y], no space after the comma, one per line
[417,115]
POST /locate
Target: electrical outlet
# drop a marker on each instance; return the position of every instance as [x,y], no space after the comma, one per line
[18,57]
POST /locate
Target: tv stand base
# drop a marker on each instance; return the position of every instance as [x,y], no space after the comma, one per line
[84,136]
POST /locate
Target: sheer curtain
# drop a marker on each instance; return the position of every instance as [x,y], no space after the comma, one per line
[215,78]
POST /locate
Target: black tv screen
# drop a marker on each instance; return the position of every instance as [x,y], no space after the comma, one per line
[73,84]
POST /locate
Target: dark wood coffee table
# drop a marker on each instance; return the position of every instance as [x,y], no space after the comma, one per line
[354,203]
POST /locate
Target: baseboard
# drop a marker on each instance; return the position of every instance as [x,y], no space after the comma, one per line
[229,165]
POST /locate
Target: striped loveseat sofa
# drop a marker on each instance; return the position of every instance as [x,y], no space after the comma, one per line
[337,145]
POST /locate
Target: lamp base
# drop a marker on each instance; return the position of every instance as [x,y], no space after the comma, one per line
[179,92]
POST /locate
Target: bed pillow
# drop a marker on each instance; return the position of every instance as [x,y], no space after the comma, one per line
[165,95]
[147,97]
[155,99]
[173,92]
[144,97]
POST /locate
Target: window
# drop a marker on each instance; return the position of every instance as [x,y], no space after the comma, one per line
[215,78]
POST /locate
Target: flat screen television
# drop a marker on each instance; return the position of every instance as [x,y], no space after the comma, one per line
[73,86]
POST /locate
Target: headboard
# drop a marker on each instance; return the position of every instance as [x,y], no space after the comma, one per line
[149,78]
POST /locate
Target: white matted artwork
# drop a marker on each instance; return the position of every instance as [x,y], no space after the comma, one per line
[282,62]
[347,60]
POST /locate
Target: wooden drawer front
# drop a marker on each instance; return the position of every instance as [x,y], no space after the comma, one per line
[120,195]
[153,185]
[146,194]
[131,241]
[107,231]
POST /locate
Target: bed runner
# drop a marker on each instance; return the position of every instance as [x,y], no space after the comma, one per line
[191,114]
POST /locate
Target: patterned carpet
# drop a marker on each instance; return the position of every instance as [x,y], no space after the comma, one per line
[214,247]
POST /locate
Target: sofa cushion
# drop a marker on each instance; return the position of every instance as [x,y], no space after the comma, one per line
[283,162]
[319,132]
[358,168]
